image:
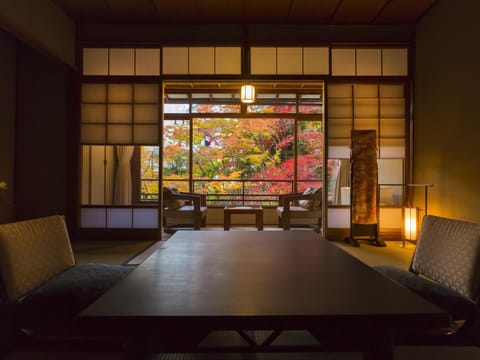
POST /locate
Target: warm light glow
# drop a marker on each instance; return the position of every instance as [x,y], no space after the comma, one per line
[410,225]
[247,94]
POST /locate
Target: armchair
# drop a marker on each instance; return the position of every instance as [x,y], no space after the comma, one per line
[43,289]
[445,270]
[301,209]
[182,209]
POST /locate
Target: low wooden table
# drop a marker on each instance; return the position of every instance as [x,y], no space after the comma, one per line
[254,210]
[202,282]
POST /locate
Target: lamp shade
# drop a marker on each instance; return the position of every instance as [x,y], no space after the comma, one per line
[247,94]
[410,218]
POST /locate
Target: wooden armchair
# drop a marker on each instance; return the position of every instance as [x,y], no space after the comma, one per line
[182,209]
[301,209]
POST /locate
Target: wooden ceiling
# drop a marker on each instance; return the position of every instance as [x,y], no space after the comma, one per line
[306,12]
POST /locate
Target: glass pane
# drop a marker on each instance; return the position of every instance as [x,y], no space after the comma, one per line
[176,108]
[230,148]
[338,177]
[284,109]
[176,103]
[390,171]
[181,185]
[266,193]
[310,104]
[176,149]
[338,150]
[339,218]
[392,148]
[310,150]
[391,195]
[149,172]
[215,108]
[97,174]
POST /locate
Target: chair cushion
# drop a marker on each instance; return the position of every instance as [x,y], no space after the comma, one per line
[448,252]
[316,199]
[31,252]
[304,203]
[299,212]
[455,304]
[54,304]
[169,202]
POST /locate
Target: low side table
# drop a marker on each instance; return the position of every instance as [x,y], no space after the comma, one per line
[254,210]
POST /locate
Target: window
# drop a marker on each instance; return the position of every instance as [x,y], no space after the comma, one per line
[243,154]
[361,106]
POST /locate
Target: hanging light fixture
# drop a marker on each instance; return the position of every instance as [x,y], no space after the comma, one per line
[247,94]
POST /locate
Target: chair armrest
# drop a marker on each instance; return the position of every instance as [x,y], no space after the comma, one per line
[286,199]
[197,200]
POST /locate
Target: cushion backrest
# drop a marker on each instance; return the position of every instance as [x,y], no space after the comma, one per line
[31,252]
[313,203]
[169,202]
[448,252]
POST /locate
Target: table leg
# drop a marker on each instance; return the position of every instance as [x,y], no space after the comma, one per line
[380,346]
[226,221]
[259,220]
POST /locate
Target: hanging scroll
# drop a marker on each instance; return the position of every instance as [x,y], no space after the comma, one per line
[364,188]
[364,177]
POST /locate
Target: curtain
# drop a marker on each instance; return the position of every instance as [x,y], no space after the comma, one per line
[123,176]
[343,180]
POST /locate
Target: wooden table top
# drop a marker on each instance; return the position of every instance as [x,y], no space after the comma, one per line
[247,278]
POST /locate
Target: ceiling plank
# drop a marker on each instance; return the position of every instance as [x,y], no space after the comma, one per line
[312,11]
[178,11]
[267,11]
[404,11]
[358,12]
[84,11]
[128,10]
[221,11]
[301,12]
